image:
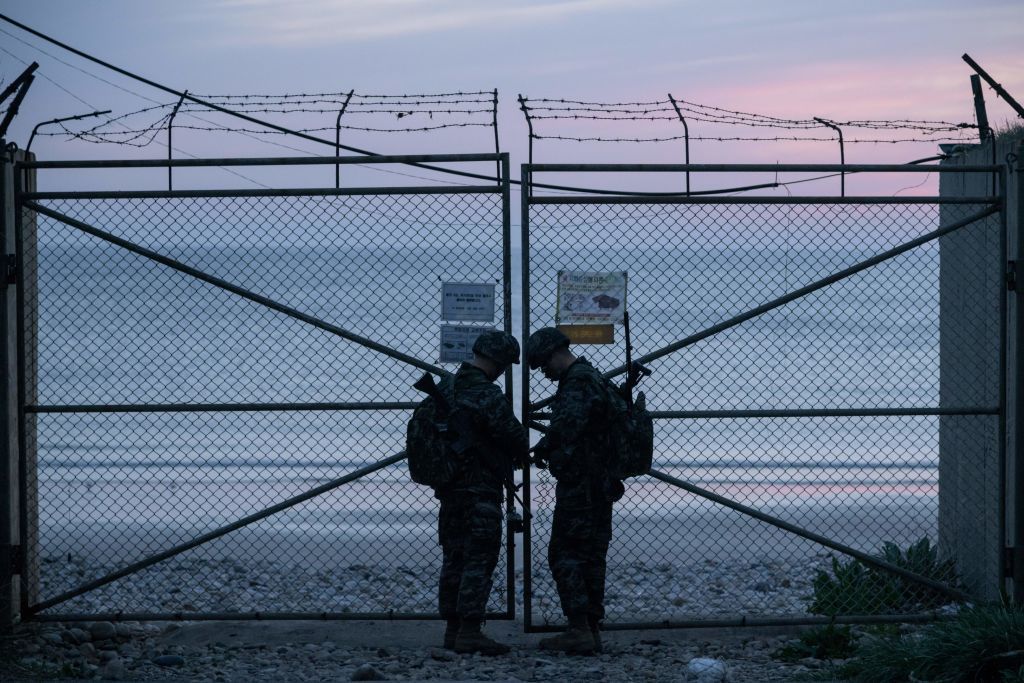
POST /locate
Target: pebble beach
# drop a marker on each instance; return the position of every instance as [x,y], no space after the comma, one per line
[398,651]
[401,650]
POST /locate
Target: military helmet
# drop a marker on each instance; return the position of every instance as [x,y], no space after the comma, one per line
[500,347]
[542,344]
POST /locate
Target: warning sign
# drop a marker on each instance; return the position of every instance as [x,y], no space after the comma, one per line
[457,342]
[467,301]
[587,297]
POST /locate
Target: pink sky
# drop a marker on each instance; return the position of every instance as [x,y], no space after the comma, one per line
[796,59]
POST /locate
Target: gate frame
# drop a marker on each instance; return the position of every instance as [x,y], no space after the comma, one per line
[26,199]
[996,205]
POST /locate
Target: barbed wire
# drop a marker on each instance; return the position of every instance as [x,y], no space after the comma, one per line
[361,106]
[409,106]
[742,139]
[597,104]
[444,94]
[253,109]
[234,172]
[563,111]
[402,107]
[227,112]
[605,118]
[231,129]
[345,94]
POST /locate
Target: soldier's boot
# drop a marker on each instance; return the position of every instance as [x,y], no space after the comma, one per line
[451,630]
[471,639]
[595,630]
[577,639]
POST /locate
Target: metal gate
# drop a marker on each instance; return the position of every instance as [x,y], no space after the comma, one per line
[215,388]
[800,405]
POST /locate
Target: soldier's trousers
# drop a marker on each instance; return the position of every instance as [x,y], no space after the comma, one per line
[577,555]
[469,531]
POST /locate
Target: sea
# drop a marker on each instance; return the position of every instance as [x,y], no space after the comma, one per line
[114,328]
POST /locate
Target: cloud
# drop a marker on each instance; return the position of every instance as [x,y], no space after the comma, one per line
[308,22]
[931,88]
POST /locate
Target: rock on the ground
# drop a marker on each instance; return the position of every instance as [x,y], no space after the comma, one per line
[79,635]
[367,673]
[705,670]
[113,670]
[169,660]
[52,638]
[443,655]
[102,630]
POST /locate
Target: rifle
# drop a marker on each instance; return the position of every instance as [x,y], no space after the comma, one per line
[635,371]
[457,429]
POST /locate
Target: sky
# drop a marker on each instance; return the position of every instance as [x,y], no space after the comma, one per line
[875,59]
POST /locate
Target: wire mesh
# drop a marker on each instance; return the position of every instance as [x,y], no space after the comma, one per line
[869,343]
[112,328]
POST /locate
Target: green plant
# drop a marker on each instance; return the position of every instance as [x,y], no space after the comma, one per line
[823,642]
[922,558]
[1010,130]
[854,587]
[983,643]
[13,663]
[1014,676]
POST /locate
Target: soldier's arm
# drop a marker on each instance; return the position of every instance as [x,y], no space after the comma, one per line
[505,428]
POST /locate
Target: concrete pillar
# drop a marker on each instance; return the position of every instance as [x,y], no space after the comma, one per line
[14,588]
[1014,507]
[972,472]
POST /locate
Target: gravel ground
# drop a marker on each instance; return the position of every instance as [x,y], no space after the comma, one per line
[399,650]
[315,651]
[707,589]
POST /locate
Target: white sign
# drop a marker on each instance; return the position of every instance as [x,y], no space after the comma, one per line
[457,342]
[467,301]
[587,297]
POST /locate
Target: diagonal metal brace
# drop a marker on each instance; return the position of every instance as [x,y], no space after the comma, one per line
[234,289]
[876,562]
[795,294]
[216,533]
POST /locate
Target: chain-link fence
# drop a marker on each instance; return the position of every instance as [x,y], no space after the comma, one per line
[194,361]
[820,410]
[169,402]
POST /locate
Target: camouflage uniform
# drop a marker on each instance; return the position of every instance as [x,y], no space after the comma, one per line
[576,448]
[469,524]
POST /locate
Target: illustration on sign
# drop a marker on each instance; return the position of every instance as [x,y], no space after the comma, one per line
[457,342]
[588,297]
[467,301]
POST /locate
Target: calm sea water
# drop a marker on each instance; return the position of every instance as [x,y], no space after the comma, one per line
[115,328]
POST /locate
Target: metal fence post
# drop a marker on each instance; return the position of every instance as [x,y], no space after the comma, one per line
[1015,488]
[337,138]
[170,148]
[524,274]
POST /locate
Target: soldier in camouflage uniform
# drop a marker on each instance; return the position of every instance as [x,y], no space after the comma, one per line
[576,449]
[469,524]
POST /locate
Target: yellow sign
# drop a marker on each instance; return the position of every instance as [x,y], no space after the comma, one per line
[589,334]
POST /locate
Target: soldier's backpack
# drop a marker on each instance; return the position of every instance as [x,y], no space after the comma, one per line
[428,448]
[632,452]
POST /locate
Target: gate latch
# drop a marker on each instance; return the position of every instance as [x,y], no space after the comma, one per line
[11,269]
[1013,562]
[10,555]
[1011,275]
